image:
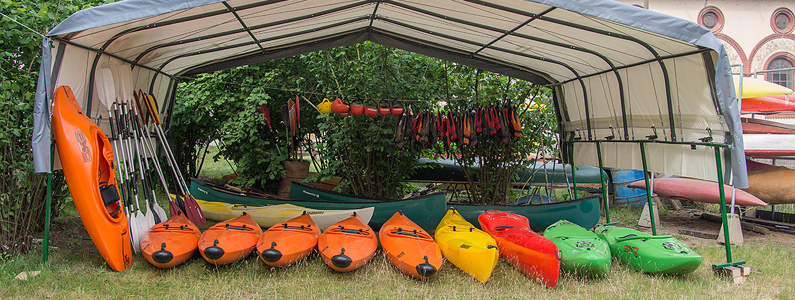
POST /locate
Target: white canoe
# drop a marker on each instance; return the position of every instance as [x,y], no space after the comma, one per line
[267,216]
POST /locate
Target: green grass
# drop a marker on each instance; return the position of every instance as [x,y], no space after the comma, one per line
[76,270]
[214,169]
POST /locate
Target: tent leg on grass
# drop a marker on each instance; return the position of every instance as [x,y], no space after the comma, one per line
[649,189]
[46,242]
[604,186]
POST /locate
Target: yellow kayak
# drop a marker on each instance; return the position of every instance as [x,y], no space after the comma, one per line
[753,87]
[267,216]
[468,248]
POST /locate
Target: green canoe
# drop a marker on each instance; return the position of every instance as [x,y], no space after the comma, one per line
[541,174]
[581,251]
[425,210]
[661,254]
[584,212]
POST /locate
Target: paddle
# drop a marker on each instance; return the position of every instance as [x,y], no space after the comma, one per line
[148,219]
[263,109]
[137,220]
[106,90]
[286,121]
[172,207]
[158,212]
[192,209]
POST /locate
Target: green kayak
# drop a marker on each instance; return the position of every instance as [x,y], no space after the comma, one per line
[661,254]
[584,212]
[581,251]
[425,210]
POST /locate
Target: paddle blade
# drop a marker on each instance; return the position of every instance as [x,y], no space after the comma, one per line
[159,213]
[263,109]
[105,87]
[173,209]
[152,108]
[297,111]
[194,212]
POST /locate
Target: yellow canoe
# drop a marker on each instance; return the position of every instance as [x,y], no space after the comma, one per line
[267,216]
[753,87]
[468,248]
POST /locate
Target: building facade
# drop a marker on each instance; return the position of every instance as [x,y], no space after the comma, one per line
[756,33]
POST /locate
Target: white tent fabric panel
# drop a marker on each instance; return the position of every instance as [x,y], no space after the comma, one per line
[590,51]
[662,158]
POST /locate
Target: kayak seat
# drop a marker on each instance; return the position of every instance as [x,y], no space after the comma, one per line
[110,196]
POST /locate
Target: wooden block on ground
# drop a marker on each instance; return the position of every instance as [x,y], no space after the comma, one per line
[730,271]
[746,270]
[675,204]
[698,234]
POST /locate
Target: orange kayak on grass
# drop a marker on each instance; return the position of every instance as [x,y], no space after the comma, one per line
[348,244]
[88,165]
[409,248]
[534,255]
[288,242]
[230,240]
[170,242]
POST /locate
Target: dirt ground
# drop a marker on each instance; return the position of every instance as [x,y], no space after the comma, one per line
[689,219]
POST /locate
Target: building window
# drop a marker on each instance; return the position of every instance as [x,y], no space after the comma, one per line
[782,20]
[712,18]
[784,78]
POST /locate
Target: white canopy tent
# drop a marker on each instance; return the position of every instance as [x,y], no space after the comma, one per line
[619,73]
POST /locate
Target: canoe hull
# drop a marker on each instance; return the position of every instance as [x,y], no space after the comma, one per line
[268,216]
[171,242]
[532,254]
[229,241]
[289,242]
[426,210]
[409,248]
[468,248]
[84,150]
[697,190]
[650,254]
[582,252]
[584,212]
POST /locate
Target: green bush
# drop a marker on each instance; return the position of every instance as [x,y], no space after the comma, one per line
[22,192]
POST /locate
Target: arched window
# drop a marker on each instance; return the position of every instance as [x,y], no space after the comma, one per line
[784,78]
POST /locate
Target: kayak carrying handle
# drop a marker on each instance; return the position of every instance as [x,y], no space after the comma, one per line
[650,237]
[499,228]
[243,228]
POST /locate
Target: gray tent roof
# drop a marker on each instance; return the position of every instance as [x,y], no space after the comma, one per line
[616,70]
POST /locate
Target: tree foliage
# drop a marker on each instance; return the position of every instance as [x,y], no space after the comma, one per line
[223,106]
[22,192]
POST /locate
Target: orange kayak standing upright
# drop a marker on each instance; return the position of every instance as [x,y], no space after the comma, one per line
[288,242]
[409,248]
[534,255]
[88,165]
[348,244]
[170,242]
[230,240]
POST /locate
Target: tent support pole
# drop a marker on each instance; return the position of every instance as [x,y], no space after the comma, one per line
[573,178]
[648,188]
[602,181]
[46,243]
[726,238]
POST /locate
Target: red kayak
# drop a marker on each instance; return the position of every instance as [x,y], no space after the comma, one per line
[768,104]
[534,255]
[762,126]
[697,190]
